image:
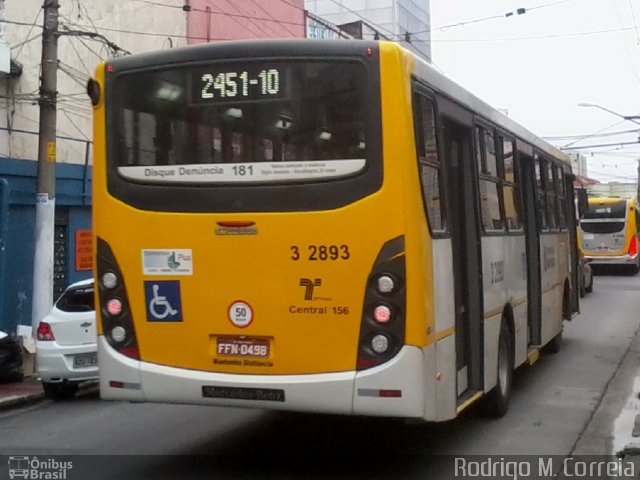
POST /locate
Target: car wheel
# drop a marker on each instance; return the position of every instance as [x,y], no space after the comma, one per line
[496,403]
[60,391]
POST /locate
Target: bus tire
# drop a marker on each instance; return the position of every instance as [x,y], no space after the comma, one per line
[555,344]
[496,402]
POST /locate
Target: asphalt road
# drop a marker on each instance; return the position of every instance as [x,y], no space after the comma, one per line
[552,404]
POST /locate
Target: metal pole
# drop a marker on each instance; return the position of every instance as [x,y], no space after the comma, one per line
[45,199]
[638,190]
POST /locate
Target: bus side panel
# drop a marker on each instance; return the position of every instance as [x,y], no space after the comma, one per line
[446,395]
[553,251]
[516,278]
[444,321]
[443,287]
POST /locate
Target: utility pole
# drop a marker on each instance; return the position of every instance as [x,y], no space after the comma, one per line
[638,191]
[46,194]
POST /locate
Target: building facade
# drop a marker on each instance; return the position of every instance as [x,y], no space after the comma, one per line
[212,20]
[131,26]
[407,21]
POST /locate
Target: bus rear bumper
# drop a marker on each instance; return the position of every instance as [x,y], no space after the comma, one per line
[625,259]
[394,389]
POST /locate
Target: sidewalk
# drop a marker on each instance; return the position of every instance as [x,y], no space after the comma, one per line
[30,391]
[20,393]
[614,427]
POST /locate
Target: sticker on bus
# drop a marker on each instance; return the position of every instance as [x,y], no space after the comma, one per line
[250,172]
[167,261]
[163,301]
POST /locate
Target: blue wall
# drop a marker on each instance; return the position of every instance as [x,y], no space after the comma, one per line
[17,222]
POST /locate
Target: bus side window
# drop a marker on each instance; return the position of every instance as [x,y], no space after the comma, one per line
[429,164]
[508,175]
[540,196]
[489,183]
[562,198]
[550,190]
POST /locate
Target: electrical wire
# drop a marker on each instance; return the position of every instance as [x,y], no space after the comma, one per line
[257,4]
[192,9]
[635,23]
[35,20]
[592,135]
[258,26]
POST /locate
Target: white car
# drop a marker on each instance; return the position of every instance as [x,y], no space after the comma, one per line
[66,349]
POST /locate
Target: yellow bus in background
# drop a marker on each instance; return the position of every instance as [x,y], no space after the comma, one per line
[609,232]
[320,226]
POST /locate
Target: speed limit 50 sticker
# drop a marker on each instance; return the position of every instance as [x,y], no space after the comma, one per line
[240,313]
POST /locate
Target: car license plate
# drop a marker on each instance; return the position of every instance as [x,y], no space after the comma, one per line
[85,360]
[243,347]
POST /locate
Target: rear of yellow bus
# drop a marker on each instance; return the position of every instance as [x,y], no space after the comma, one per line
[250,239]
[609,233]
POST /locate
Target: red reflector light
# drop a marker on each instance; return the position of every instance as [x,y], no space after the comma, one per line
[369,52]
[236,224]
[390,393]
[382,314]
[114,307]
[114,384]
[633,246]
[366,363]
[44,332]
[109,68]
[131,352]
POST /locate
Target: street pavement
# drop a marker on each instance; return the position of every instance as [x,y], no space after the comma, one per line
[579,401]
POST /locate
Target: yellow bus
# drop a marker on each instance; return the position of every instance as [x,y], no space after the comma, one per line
[609,232]
[320,226]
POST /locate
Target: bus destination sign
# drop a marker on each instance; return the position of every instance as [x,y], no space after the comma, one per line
[250,84]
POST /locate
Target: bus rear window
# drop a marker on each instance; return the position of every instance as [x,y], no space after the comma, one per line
[602,227]
[242,122]
[606,210]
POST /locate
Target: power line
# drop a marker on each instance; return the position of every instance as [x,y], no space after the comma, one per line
[35,20]
[150,34]
[218,12]
[257,4]
[74,123]
[248,19]
[357,15]
[635,23]
[538,37]
[602,145]
[592,135]
[587,136]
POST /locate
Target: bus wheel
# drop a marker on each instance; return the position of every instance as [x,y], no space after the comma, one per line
[496,403]
[554,345]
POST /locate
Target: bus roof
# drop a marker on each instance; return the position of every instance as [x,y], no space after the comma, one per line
[451,89]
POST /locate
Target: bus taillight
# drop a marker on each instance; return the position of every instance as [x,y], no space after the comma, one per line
[117,323]
[383,324]
[633,246]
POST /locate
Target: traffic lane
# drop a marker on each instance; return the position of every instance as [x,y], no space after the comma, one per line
[551,404]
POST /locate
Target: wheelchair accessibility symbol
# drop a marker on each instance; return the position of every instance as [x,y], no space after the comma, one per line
[163,301]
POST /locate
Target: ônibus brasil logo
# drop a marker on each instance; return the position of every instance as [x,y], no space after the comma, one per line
[32,468]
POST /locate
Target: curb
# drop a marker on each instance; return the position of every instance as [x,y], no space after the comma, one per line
[29,399]
[20,400]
